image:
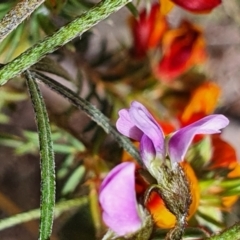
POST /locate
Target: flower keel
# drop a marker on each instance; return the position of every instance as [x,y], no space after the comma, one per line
[118,200]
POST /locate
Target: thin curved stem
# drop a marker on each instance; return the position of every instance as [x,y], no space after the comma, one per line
[92,112]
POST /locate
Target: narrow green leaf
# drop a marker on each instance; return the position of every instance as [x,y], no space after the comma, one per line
[49,65]
[4,118]
[63,148]
[210,219]
[92,112]
[5,7]
[65,166]
[73,180]
[47,160]
[10,140]
[14,43]
[230,183]
[131,7]
[35,214]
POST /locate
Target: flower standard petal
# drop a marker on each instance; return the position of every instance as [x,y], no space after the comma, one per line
[181,139]
[148,125]
[127,127]
[118,200]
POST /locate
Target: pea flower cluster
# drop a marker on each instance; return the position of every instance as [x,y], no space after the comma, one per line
[121,211]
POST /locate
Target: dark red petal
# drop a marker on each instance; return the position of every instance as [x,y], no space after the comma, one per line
[174,63]
[198,5]
[142,29]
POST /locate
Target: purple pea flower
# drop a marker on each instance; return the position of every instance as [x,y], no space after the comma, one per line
[137,123]
[117,197]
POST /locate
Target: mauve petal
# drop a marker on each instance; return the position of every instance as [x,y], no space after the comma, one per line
[146,123]
[147,151]
[181,139]
[125,126]
[118,200]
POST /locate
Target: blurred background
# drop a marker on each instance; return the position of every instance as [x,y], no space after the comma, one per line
[103,66]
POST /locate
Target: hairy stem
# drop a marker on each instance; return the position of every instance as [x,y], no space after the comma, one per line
[61,37]
[17,15]
[47,159]
[92,112]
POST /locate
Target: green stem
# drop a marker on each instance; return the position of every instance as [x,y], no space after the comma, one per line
[61,37]
[17,15]
[35,214]
[92,112]
[47,159]
[232,233]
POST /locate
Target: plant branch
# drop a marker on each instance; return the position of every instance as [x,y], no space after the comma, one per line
[17,15]
[35,214]
[75,28]
[92,112]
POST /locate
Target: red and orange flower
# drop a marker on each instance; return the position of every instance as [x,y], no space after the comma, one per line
[148,30]
[183,48]
[202,102]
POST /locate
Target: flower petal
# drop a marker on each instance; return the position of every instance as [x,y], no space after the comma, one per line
[148,30]
[198,5]
[203,100]
[166,6]
[183,48]
[126,126]
[147,151]
[147,124]
[224,155]
[118,200]
[181,139]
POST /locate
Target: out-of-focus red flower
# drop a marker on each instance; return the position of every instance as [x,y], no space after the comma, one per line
[182,48]
[55,5]
[167,127]
[203,101]
[148,30]
[198,5]
[235,170]
[224,155]
[227,202]
[166,6]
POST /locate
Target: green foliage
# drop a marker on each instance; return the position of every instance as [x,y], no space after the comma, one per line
[47,161]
